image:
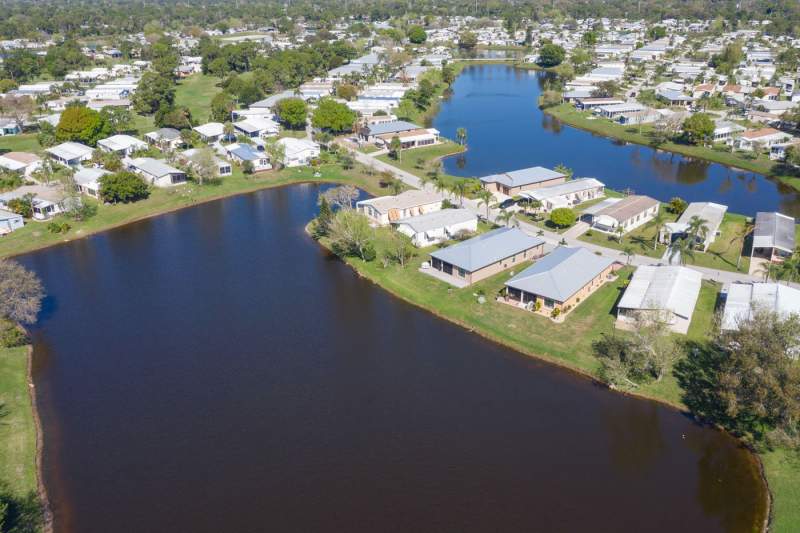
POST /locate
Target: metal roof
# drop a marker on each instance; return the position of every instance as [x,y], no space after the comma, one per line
[490,247]
[671,288]
[404,200]
[394,126]
[774,230]
[560,189]
[744,298]
[525,176]
[154,167]
[437,219]
[560,274]
[627,207]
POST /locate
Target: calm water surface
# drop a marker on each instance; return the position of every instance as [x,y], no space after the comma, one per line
[507,131]
[214,370]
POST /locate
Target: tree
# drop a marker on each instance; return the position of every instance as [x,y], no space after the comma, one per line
[460,187]
[629,254]
[682,248]
[292,112]
[204,164]
[122,187]
[793,155]
[677,205]
[698,228]
[416,34]
[657,32]
[83,125]
[154,92]
[605,89]
[551,55]
[351,235]
[398,249]
[341,197]
[347,91]
[506,217]
[395,147]
[461,135]
[221,107]
[467,40]
[333,116]
[21,65]
[658,223]
[276,152]
[561,168]
[64,57]
[179,118]
[485,198]
[22,206]
[21,293]
[20,108]
[448,74]
[562,217]
[323,220]
[698,128]
[118,118]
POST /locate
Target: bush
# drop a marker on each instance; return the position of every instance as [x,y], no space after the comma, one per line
[123,187]
[555,312]
[563,217]
[11,337]
[369,253]
[56,227]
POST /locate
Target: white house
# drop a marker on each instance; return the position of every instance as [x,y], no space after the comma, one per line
[567,194]
[155,172]
[9,222]
[437,226]
[627,213]
[70,153]
[121,144]
[165,138]
[210,132]
[48,201]
[298,152]
[257,126]
[224,168]
[88,180]
[387,209]
[23,163]
[744,298]
[765,137]
[711,213]
[240,153]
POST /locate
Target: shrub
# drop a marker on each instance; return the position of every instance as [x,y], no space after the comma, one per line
[563,217]
[11,337]
[56,227]
[555,312]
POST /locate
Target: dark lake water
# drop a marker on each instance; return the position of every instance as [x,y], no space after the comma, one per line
[214,370]
[507,131]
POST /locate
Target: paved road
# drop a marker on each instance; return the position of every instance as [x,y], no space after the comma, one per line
[551,239]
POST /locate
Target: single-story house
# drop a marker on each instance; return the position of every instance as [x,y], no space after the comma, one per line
[210,132]
[612,111]
[223,167]
[257,126]
[155,172]
[516,181]
[712,213]
[628,213]
[485,255]
[9,222]
[725,131]
[165,138]
[23,163]
[48,201]
[9,126]
[384,210]
[123,145]
[560,280]
[670,291]
[373,132]
[70,153]
[773,236]
[765,137]
[586,104]
[778,152]
[88,180]
[745,298]
[411,138]
[567,194]
[674,98]
[298,152]
[437,226]
[241,152]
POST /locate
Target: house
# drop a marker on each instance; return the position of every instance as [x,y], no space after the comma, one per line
[725,131]
[567,194]
[773,236]
[516,181]
[241,152]
[667,292]
[764,137]
[22,163]
[88,180]
[9,222]
[411,138]
[561,280]
[387,209]
[743,299]
[612,111]
[373,132]
[437,226]
[298,152]
[223,167]
[165,139]
[257,127]
[627,213]
[674,98]
[9,126]
[711,213]
[777,152]
[70,153]
[210,132]
[587,104]
[155,172]
[485,255]
[48,201]
[123,145]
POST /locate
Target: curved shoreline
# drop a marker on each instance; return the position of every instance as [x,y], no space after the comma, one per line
[769,504]
[41,488]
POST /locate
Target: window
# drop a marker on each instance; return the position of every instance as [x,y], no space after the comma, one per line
[549,303]
[462,273]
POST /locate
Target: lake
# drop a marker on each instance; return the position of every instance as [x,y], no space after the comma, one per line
[213,369]
[497,104]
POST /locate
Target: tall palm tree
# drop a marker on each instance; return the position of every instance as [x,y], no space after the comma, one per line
[459,189]
[461,135]
[506,217]
[658,223]
[484,198]
[790,268]
[424,180]
[742,234]
[620,231]
[698,227]
[628,252]
[683,248]
[770,271]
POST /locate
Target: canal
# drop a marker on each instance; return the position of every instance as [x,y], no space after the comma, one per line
[497,104]
[214,369]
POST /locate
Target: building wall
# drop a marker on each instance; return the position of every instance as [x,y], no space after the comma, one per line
[574,300]
[505,264]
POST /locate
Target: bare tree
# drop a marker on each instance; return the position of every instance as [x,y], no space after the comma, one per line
[205,165]
[21,293]
[342,196]
[17,107]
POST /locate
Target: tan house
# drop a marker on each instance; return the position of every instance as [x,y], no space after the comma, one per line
[627,213]
[561,280]
[486,255]
[516,181]
[384,210]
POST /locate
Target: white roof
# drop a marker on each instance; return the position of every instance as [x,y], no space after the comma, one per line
[744,298]
[404,200]
[296,146]
[70,150]
[671,288]
[211,129]
[437,219]
[568,187]
[121,142]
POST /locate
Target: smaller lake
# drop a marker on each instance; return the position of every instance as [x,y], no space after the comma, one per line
[497,104]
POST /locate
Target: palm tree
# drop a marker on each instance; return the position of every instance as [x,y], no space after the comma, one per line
[790,268]
[459,188]
[628,253]
[485,197]
[658,223]
[424,180]
[461,135]
[620,231]
[683,248]
[742,234]
[698,227]
[396,186]
[564,169]
[441,186]
[770,271]
[507,218]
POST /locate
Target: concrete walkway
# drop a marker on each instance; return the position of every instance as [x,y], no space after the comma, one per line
[551,239]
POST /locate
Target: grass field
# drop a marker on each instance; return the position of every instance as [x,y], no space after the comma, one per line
[17,426]
[419,161]
[196,92]
[26,142]
[783,473]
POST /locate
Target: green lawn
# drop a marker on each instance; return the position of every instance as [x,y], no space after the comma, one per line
[783,473]
[17,428]
[724,252]
[585,120]
[196,92]
[26,142]
[35,235]
[419,161]
[641,239]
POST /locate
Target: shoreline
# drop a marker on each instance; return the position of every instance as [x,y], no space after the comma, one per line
[41,488]
[578,372]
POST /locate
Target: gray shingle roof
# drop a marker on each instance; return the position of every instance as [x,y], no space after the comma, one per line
[483,250]
[525,176]
[561,273]
[774,230]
